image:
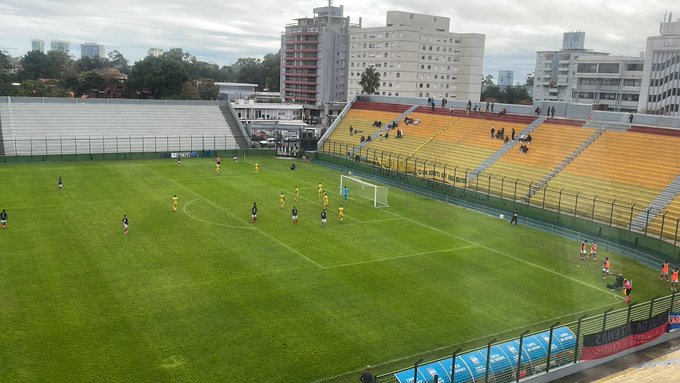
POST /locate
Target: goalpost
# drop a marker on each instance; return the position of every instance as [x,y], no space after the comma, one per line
[363,189]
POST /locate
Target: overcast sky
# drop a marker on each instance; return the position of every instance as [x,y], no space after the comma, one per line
[221,31]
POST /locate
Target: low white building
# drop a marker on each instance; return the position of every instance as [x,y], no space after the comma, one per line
[235,90]
[611,82]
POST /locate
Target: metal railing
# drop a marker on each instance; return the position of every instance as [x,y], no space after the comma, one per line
[59,145]
[521,368]
[629,215]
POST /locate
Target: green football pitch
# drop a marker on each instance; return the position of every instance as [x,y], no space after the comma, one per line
[205,295]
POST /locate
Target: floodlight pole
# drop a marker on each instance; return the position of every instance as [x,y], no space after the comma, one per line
[415,370]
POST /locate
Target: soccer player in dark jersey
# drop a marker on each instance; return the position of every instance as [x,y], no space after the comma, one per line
[294,213]
[3,219]
[323,217]
[253,212]
[60,183]
[126,222]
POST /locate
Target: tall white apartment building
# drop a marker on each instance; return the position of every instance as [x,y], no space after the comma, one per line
[38,45]
[417,56]
[91,50]
[554,75]
[61,46]
[506,78]
[611,82]
[314,59]
[660,92]
[155,52]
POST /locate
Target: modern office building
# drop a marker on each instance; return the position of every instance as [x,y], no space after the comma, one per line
[38,45]
[660,91]
[554,75]
[506,78]
[61,46]
[608,82]
[417,56]
[155,52]
[91,50]
[314,66]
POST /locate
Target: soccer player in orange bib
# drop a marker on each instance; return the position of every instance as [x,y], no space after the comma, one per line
[674,279]
[664,271]
[606,267]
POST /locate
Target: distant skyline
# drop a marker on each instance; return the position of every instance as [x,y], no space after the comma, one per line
[223,31]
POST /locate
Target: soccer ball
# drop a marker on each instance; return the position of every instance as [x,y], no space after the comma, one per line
[501,216]
[350,173]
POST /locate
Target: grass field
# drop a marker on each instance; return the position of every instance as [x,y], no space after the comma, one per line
[204,295]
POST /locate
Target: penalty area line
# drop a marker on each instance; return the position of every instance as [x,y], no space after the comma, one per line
[400,257]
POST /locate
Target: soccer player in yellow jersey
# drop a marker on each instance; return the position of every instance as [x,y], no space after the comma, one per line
[325,200]
[341,213]
[297,193]
[217,169]
[320,189]
[282,200]
[257,168]
[174,203]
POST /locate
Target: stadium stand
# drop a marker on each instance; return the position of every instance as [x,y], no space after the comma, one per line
[65,127]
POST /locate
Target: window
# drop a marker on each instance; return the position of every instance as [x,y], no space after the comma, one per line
[608,68]
[631,82]
[586,68]
[398,74]
[634,67]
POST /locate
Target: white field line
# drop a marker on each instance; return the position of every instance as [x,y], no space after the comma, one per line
[413,356]
[246,223]
[184,209]
[400,257]
[506,255]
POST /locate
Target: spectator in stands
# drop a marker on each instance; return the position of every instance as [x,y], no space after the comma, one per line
[513,134]
[362,139]
[429,101]
[492,107]
[488,107]
[506,140]
[387,134]
[503,112]
[475,108]
[529,138]
[368,138]
[537,111]
[502,132]
[399,133]
[433,105]
[522,137]
[630,118]
[351,130]
[492,131]
[552,111]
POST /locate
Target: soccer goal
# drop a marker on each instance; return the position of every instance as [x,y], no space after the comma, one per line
[363,189]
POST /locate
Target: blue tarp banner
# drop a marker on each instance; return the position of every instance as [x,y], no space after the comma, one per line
[673,321]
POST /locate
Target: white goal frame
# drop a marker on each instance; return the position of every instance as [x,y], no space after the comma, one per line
[375,193]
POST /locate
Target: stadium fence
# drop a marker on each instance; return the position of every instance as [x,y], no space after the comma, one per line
[557,204]
[516,368]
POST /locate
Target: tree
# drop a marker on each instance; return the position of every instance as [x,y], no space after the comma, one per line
[118,61]
[34,65]
[487,80]
[87,63]
[207,90]
[370,81]
[248,70]
[4,61]
[516,94]
[162,76]
[271,72]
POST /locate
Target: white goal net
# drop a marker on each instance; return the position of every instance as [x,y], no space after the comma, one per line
[363,189]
